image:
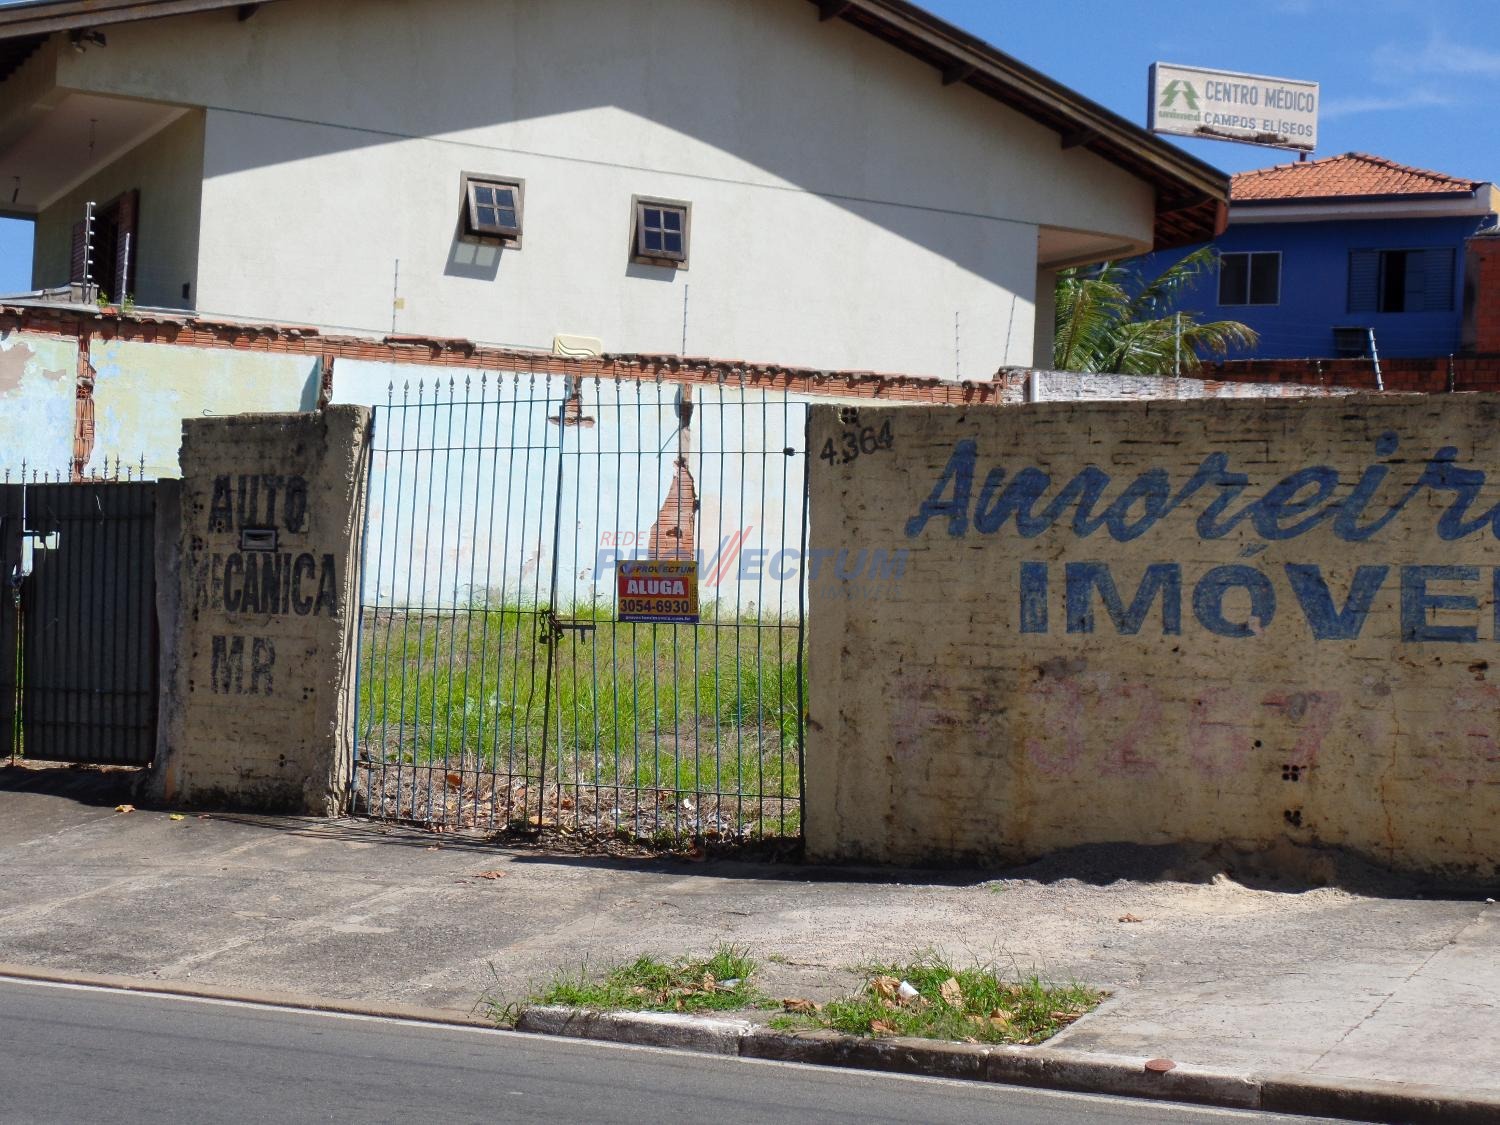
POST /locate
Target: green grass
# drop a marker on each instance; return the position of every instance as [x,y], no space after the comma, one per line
[708,708]
[972,1005]
[720,982]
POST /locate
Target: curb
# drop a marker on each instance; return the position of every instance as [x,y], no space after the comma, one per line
[1040,1067]
[293,1000]
[1050,1068]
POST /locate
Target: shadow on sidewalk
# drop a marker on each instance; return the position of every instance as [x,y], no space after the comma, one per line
[96,786]
[1288,868]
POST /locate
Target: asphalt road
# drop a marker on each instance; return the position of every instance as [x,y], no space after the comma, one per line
[77,1055]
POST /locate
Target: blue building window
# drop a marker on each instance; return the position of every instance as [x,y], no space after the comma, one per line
[1250,278]
[1392,281]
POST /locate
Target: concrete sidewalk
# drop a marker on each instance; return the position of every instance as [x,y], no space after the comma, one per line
[1360,982]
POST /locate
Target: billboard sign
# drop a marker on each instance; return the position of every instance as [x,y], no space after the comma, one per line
[1223,105]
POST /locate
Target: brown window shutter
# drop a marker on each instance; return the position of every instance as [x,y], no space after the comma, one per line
[79,254]
[126,246]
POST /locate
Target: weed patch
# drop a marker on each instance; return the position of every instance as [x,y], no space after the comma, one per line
[930,999]
[693,730]
[719,983]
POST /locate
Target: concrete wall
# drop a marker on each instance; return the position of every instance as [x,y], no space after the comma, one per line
[168,171]
[265,676]
[1275,622]
[749,491]
[847,207]
[1020,386]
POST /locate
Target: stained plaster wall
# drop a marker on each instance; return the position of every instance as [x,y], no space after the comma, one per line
[1294,644]
[38,377]
[142,392]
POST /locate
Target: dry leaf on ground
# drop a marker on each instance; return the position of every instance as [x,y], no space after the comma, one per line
[952,993]
[880,1027]
[1130,918]
[492,875]
[797,1004]
[177,816]
[885,987]
[124,808]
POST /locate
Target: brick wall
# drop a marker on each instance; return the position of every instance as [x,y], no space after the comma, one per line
[1244,622]
[1482,294]
[1434,375]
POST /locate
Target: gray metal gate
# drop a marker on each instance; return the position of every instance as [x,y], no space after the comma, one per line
[12,511]
[87,621]
[498,687]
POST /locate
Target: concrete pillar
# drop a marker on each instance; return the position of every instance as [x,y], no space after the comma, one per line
[260,715]
[1046,320]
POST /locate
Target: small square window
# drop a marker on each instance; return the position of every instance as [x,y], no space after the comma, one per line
[492,209]
[661,232]
[1250,278]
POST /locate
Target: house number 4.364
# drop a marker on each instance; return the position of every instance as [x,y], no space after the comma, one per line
[856,443]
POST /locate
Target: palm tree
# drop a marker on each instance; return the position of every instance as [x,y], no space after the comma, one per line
[1108,320]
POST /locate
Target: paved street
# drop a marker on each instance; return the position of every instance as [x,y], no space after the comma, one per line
[76,1055]
[1356,982]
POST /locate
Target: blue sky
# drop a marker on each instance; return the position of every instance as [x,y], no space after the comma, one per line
[1413,80]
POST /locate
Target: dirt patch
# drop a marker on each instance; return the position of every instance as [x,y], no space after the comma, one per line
[577,818]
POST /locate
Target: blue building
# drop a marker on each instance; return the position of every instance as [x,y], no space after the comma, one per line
[1319,254]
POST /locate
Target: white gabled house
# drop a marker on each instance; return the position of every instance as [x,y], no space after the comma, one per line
[848,184]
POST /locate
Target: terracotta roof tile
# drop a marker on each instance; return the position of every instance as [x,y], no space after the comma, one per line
[1350,175]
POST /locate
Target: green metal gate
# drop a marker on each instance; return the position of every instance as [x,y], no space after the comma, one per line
[498,687]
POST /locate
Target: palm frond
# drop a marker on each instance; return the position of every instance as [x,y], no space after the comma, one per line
[1107,320]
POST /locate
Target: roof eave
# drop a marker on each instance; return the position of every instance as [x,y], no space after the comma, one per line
[1190,192]
[1388,197]
[43,17]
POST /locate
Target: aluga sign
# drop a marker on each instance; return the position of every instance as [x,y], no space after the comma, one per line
[1224,105]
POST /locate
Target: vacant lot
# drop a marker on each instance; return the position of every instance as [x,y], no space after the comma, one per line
[516,717]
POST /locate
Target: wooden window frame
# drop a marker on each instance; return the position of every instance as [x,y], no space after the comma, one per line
[638,251]
[469,207]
